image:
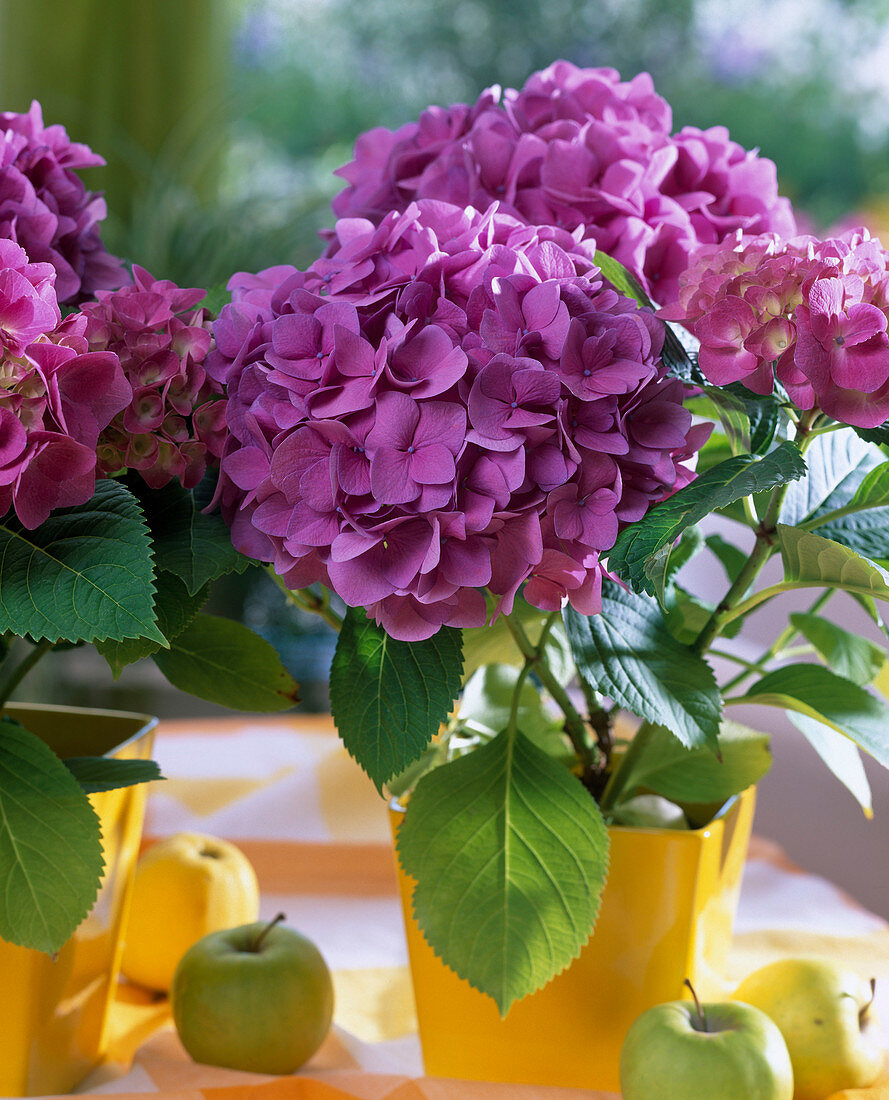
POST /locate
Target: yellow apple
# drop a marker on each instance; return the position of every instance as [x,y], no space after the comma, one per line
[186,886]
[825,1013]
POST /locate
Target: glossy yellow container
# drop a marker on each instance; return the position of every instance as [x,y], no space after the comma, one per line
[666,915]
[54,1012]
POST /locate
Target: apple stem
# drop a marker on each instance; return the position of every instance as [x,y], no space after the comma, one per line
[862,1013]
[701,1017]
[257,943]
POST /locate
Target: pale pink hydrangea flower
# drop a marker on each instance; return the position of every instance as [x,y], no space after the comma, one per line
[576,148]
[446,402]
[174,426]
[56,396]
[45,207]
[811,313]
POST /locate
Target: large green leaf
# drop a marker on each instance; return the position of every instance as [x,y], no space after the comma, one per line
[389,697]
[85,574]
[195,546]
[699,775]
[50,845]
[879,435]
[225,662]
[845,653]
[810,560]
[175,608]
[874,488]
[633,556]
[510,854]
[865,532]
[102,773]
[628,654]
[820,694]
[830,460]
[840,755]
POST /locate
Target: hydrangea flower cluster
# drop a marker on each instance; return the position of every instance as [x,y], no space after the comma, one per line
[45,207]
[447,402]
[813,313]
[56,396]
[576,147]
[174,425]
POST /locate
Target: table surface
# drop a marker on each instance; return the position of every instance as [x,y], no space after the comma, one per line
[288,794]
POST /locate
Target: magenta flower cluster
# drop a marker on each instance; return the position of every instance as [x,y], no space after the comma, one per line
[174,424]
[812,313]
[45,207]
[576,147]
[56,396]
[448,402]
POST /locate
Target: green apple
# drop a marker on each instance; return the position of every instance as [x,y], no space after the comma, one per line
[258,997]
[687,1051]
[825,1013]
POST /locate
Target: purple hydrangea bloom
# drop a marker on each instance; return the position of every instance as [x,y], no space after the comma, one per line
[174,425]
[812,313]
[45,207]
[576,148]
[446,402]
[56,396]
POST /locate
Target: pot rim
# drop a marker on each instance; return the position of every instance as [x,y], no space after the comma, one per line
[396,807]
[148,722]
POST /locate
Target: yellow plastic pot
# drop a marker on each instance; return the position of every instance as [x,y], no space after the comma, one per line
[54,1012]
[666,915]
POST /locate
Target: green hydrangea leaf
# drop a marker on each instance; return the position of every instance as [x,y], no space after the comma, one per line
[698,775]
[389,697]
[50,846]
[227,663]
[510,854]
[812,561]
[634,556]
[197,547]
[841,757]
[818,693]
[628,654]
[845,653]
[103,773]
[175,609]
[86,574]
[830,460]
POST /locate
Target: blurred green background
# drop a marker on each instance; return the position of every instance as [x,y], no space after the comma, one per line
[222,120]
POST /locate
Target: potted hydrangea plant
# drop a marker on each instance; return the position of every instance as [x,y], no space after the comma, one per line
[109,424]
[468,420]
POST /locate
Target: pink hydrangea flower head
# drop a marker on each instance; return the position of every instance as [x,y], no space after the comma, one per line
[447,401]
[811,313]
[174,424]
[56,395]
[579,149]
[45,207]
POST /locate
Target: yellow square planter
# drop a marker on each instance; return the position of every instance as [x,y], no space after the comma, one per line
[54,1012]
[666,915]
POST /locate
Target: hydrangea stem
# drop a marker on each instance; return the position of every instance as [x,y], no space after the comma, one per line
[307,600]
[762,550]
[535,661]
[12,677]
